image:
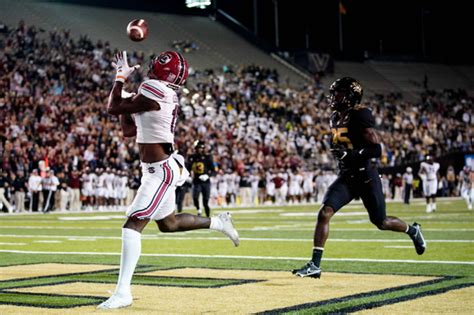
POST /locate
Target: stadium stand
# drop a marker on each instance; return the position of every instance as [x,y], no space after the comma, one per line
[54,84]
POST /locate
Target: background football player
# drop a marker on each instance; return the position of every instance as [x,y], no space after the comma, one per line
[466,183]
[429,175]
[202,168]
[354,143]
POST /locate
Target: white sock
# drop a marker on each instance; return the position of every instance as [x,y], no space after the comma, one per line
[216,224]
[433,206]
[131,250]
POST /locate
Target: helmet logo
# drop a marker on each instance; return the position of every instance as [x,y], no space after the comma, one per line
[164,59]
[356,87]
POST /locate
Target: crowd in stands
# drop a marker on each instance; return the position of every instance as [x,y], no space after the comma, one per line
[53,91]
[184,46]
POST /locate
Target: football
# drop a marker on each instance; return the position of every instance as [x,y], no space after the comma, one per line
[137,30]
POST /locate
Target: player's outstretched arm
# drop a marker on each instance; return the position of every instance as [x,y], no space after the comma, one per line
[118,105]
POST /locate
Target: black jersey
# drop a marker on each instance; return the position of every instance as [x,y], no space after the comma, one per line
[347,133]
[201,164]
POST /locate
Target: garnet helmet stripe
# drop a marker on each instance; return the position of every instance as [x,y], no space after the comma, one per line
[179,78]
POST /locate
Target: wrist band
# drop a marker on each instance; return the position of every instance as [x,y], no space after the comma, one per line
[120,78]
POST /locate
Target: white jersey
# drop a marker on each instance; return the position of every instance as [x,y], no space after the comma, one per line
[429,170]
[101,180]
[465,180]
[214,187]
[296,181]
[157,126]
[109,181]
[86,182]
[222,184]
[308,184]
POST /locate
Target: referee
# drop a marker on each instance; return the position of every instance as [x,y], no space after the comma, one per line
[202,167]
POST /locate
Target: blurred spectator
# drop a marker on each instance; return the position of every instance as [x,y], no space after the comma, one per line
[398,187]
[64,197]
[407,185]
[4,194]
[19,187]
[184,46]
[75,194]
[50,185]
[451,180]
[34,187]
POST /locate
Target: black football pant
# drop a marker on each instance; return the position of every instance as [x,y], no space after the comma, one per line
[205,189]
[48,200]
[366,185]
[35,201]
[406,197]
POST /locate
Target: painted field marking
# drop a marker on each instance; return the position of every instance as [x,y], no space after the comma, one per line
[47,241]
[13,244]
[258,291]
[247,257]
[57,227]
[92,218]
[286,227]
[257,239]
[313,214]
[85,239]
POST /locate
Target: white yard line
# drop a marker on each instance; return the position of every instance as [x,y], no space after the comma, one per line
[13,244]
[58,228]
[258,239]
[48,241]
[258,228]
[248,257]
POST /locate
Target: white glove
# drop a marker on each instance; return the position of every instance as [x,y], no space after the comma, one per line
[204,177]
[122,67]
[126,94]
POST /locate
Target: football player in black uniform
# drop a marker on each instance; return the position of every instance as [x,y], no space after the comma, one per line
[354,143]
[202,167]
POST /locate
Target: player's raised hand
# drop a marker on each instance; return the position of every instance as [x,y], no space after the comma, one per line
[122,67]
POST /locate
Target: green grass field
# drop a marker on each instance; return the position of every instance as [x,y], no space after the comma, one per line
[276,238]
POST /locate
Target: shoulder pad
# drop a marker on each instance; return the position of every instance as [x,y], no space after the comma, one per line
[152,89]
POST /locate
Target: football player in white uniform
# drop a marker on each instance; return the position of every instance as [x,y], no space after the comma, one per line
[150,116]
[429,175]
[466,181]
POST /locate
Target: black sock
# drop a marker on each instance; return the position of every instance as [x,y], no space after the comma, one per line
[411,230]
[317,254]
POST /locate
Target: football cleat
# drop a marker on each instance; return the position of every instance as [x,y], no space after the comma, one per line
[116,301]
[308,270]
[418,239]
[429,209]
[227,227]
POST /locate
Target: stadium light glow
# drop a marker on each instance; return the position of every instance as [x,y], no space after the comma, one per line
[201,4]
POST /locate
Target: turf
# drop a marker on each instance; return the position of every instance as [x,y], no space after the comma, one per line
[272,238]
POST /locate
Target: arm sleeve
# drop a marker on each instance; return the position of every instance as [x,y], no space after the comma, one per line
[152,89]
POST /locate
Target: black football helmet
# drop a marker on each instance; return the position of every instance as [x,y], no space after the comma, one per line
[345,93]
[198,144]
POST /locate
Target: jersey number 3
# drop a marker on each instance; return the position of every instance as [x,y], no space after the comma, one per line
[339,136]
[198,167]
